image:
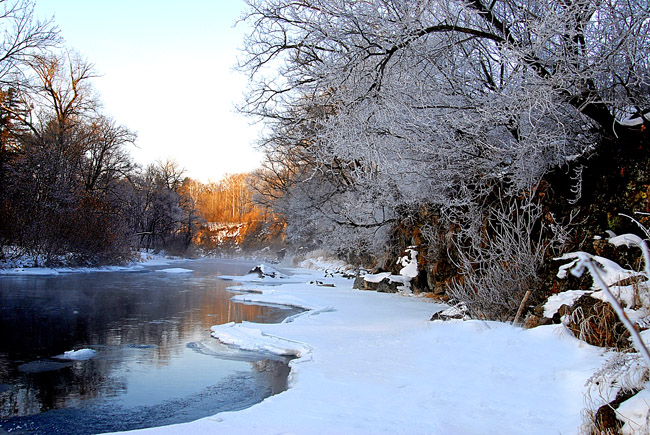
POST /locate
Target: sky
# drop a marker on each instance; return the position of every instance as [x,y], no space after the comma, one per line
[166,72]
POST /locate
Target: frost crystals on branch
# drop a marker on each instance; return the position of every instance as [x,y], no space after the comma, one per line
[379,106]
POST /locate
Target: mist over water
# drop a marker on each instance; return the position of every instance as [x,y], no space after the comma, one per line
[152,360]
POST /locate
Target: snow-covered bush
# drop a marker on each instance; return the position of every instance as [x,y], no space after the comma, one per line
[623,377]
[629,298]
[499,255]
[618,392]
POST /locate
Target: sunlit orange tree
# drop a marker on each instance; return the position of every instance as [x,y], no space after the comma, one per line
[232,218]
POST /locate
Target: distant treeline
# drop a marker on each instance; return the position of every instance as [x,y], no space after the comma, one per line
[68,185]
[232,218]
[69,188]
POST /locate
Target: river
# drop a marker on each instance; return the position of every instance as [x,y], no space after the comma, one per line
[139,349]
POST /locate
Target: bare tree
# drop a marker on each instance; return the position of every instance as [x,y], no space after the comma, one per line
[169,173]
[106,157]
[62,92]
[23,37]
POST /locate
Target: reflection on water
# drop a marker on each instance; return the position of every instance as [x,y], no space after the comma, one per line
[154,361]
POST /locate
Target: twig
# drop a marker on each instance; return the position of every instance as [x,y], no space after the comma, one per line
[521,307]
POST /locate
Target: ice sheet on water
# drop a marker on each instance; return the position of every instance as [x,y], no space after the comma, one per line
[253,339]
[175,270]
[42,365]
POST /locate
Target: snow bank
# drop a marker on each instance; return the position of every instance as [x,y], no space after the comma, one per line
[370,362]
[29,271]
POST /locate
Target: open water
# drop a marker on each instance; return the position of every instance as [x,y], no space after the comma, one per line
[151,360]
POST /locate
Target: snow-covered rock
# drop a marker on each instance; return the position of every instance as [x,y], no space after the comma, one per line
[554,302]
[265,271]
[409,263]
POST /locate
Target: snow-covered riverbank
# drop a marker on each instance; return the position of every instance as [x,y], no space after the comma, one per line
[26,266]
[374,363]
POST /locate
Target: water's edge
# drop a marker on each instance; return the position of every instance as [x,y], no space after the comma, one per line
[147,327]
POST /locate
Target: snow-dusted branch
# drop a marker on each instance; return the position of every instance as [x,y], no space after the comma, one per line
[391,104]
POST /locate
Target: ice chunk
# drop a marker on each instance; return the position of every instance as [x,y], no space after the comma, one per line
[78,355]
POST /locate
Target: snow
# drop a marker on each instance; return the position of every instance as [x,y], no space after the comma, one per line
[78,355]
[624,371]
[408,271]
[632,121]
[262,273]
[379,277]
[29,271]
[635,412]
[458,311]
[610,271]
[629,240]
[266,271]
[376,277]
[370,362]
[175,270]
[626,294]
[409,263]
[554,302]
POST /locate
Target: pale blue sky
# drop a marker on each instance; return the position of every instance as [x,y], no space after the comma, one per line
[166,73]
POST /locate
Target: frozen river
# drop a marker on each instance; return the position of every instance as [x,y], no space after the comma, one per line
[139,349]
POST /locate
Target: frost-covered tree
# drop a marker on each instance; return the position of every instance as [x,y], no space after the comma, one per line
[390,104]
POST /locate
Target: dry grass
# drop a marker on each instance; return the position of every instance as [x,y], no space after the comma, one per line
[596,323]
